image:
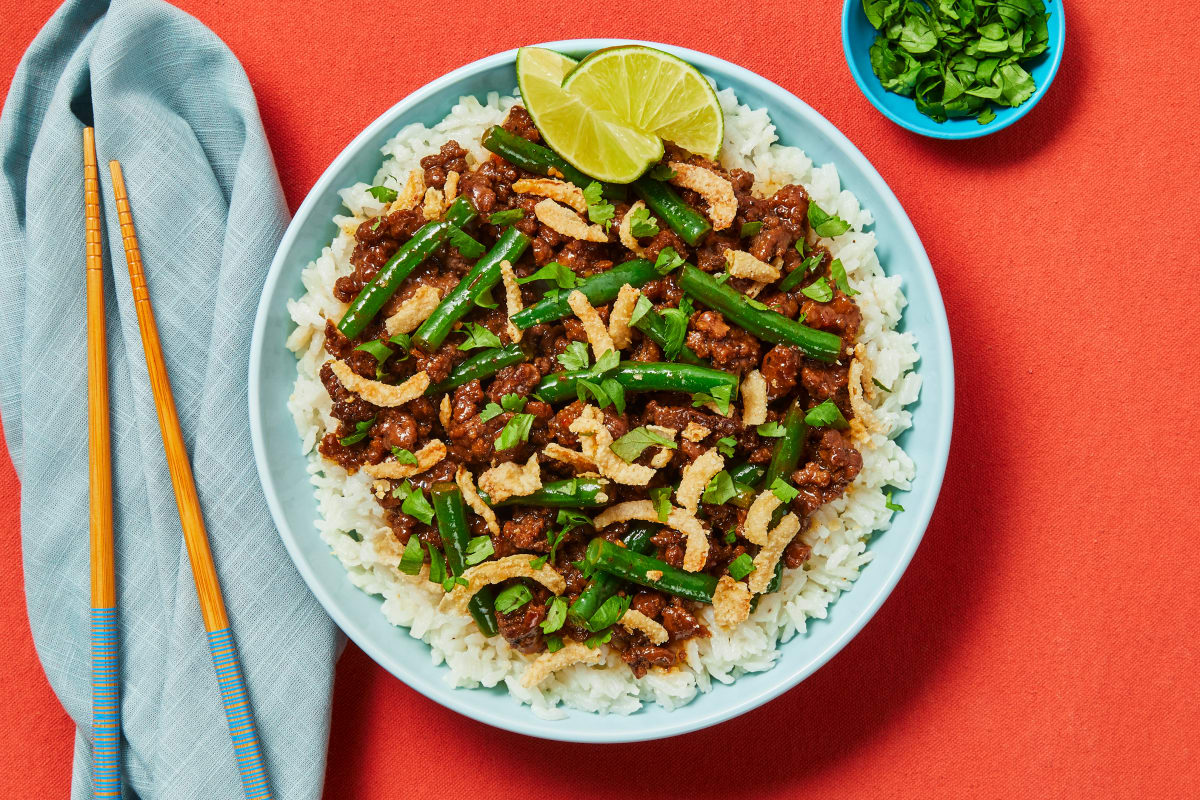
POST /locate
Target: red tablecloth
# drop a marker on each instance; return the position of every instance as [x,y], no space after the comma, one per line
[1043,642]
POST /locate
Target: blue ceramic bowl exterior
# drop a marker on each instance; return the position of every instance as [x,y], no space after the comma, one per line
[281,466]
[858,35]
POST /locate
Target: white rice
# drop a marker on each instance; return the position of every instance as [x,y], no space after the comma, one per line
[839,532]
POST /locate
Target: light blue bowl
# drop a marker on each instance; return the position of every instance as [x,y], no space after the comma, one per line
[282,467]
[858,35]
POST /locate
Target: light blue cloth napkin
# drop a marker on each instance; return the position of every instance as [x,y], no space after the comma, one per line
[174,106]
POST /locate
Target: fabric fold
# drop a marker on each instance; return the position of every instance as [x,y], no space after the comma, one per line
[171,102]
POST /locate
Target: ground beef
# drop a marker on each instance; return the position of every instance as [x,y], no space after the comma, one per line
[731,349]
[823,381]
[680,622]
[527,529]
[522,628]
[649,602]
[519,122]
[780,368]
[518,379]
[840,315]
[437,166]
[826,477]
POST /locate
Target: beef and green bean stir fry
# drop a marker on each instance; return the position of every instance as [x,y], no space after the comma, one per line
[588,409]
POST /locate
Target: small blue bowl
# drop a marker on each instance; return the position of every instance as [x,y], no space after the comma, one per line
[281,465]
[858,35]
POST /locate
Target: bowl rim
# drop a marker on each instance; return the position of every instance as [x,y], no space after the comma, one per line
[527,723]
[934,130]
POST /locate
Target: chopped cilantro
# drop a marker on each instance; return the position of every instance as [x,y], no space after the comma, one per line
[576,357]
[561,274]
[772,430]
[826,225]
[818,290]
[478,336]
[668,260]
[839,278]
[720,489]
[383,194]
[479,548]
[413,557]
[361,428]
[556,615]
[741,566]
[516,430]
[507,217]
[641,224]
[608,613]
[512,598]
[720,397]
[826,415]
[634,443]
[598,210]
[890,506]
[469,246]
[783,490]
[661,497]
[726,445]
[404,456]
[512,402]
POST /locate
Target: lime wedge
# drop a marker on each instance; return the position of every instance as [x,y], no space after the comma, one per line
[595,142]
[654,92]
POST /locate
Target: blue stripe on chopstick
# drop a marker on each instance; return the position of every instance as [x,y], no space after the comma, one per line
[106,708]
[246,747]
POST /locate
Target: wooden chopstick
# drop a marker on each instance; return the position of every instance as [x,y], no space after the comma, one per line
[246,745]
[106,710]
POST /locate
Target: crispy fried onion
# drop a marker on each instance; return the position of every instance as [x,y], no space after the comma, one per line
[695,432]
[445,413]
[511,480]
[625,230]
[618,318]
[512,295]
[567,222]
[429,455]
[381,394]
[413,311]
[663,455]
[743,265]
[489,572]
[759,516]
[435,204]
[413,191]
[771,552]
[695,478]
[754,399]
[596,443]
[593,326]
[864,415]
[563,191]
[731,602]
[634,621]
[716,191]
[572,458]
[572,652]
[451,188]
[696,551]
[466,485]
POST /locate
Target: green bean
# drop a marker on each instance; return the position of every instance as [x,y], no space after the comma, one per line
[668,206]
[569,493]
[639,376]
[452,526]
[483,364]
[604,585]
[461,299]
[598,289]
[411,254]
[768,325]
[527,155]
[623,562]
[654,325]
[788,448]
[749,474]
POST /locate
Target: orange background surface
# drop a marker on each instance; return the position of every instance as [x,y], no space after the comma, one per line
[1044,641]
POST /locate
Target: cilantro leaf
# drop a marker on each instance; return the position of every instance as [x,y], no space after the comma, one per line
[608,360]
[889,505]
[818,290]
[772,430]
[361,428]
[485,300]
[469,246]
[437,566]
[490,411]
[720,397]
[661,497]
[823,223]
[875,381]
[561,274]
[383,194]
[576,357]
[641,224]
[640,309]
[720,489]
[478,336]
[554,644]
[741,566]
[512,402]
[839,278]
[609,612]
[413,556]
[515,431]
[507,217]
[512,598]
[726,445]
[636,441]
[826,415]
[556,615]
[479,549]
[599,212]
[784,490]
[404,456]
[415,505]
[668,260]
